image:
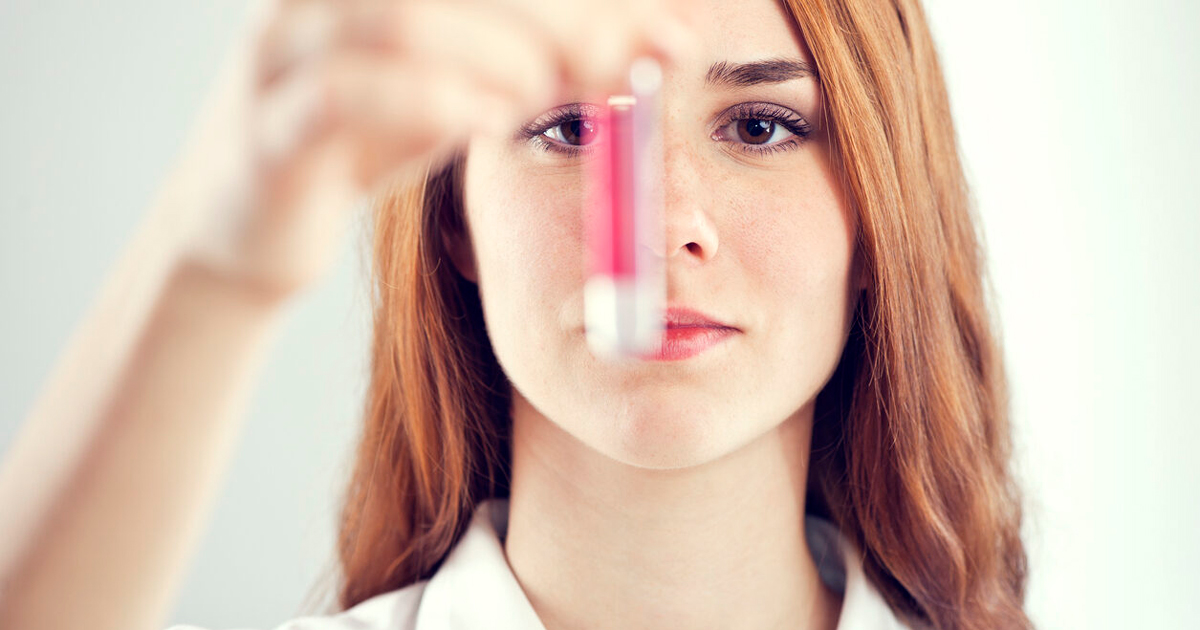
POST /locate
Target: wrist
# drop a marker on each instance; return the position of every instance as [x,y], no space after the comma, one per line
[221,287]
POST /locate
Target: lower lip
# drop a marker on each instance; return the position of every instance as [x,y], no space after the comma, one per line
[688,341]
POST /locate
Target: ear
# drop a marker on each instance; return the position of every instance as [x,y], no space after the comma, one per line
[462,254]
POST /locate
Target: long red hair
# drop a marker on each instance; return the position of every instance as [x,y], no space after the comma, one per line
[911,443]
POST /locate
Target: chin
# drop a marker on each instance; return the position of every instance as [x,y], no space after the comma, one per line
[665,440]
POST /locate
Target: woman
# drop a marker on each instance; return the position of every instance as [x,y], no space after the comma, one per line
[839,460]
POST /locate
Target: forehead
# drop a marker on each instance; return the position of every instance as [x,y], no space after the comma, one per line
[747,30]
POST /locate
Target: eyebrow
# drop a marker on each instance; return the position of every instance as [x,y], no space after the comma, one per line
[739,75]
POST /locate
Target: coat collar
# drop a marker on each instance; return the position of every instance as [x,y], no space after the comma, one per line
[475,587]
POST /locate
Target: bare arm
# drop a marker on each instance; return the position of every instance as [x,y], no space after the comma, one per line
[108,484]
[106,487]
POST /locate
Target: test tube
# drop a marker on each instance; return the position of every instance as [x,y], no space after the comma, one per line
[625,291]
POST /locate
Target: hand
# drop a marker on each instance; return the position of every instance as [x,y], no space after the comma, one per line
[327,100]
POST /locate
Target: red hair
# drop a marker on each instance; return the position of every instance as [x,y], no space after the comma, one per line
[911,441]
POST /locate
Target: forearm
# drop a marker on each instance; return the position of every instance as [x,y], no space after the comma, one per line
[107,485]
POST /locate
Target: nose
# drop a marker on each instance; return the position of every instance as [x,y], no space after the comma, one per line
[688,232]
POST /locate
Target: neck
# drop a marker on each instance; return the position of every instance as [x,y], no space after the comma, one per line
[720,545]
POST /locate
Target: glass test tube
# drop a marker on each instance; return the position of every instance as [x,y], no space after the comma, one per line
[625,291]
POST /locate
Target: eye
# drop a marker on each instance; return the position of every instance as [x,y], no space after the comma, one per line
[568,130]
[759,131]
[754,128]
[763,128]
[578,132]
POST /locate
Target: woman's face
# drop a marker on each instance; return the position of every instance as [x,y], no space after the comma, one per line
[759,237]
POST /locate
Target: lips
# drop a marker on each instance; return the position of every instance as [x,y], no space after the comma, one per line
[688,333]
[680,317]
[685,342]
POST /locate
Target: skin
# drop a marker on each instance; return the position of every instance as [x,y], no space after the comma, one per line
[671,494]
[320,102]
[665,495]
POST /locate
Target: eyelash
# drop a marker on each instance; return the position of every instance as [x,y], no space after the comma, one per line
[801,129]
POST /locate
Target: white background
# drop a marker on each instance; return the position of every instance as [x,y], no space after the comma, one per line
[1079,130]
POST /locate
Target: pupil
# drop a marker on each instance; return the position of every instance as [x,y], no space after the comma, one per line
[756,131]
[578,131]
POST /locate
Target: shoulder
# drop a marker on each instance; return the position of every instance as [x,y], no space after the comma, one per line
[394,610]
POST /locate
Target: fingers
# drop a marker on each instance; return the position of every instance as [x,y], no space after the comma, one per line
[393,110]
[410,78]
[491,47]
[595,41]
[298,32]
[401,109]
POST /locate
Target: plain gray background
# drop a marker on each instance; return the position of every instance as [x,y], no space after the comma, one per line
[1077,122]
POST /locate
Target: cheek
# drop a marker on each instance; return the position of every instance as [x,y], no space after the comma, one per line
[527,228]
[795,249]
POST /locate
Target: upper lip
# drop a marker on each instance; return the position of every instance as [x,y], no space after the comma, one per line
[683,317]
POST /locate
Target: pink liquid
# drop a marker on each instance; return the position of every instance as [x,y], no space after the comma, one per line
[612,227]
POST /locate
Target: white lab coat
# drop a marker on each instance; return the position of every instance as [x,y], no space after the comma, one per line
[475,589]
